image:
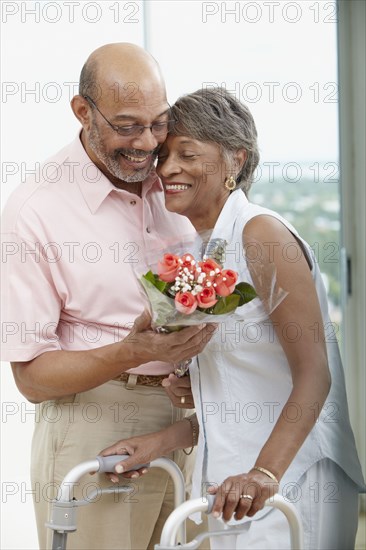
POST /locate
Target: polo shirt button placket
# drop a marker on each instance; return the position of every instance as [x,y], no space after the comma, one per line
[133,203]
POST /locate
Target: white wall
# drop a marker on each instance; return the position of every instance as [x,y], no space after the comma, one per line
[352,66]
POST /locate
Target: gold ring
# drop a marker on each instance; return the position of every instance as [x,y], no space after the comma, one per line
[247,496]
[182,400]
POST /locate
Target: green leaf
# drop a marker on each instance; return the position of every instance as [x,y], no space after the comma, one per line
[226,305]
[154,279]
[246,293]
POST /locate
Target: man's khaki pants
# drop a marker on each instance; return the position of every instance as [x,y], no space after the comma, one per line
[75,429]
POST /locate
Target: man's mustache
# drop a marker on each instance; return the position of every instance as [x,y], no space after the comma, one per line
[138,152]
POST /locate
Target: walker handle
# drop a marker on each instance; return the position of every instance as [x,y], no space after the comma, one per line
[108,463]
[210,502]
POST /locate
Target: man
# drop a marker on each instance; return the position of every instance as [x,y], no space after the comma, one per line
[71,241]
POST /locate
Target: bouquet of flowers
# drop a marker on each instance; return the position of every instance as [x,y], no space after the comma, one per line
[193,286]
[189,289]
[183,291]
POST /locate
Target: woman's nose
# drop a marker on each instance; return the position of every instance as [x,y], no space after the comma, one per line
[167,166]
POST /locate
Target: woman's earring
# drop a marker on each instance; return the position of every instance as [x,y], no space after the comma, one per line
[230,183]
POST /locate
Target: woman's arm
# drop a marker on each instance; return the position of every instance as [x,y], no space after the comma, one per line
[306,355]
[307,358]
[145,448]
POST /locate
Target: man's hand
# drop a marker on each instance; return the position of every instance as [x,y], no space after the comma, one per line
[171,348]
[179,390]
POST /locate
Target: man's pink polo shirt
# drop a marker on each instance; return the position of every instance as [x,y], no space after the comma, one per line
[71,241]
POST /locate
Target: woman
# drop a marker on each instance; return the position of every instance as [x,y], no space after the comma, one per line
[270,396]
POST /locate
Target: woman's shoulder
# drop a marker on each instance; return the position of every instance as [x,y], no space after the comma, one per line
[271,232]
[263,224]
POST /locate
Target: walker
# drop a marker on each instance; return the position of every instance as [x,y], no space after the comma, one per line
[173,536]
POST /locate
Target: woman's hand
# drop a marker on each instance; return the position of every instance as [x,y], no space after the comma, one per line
[242,495]
[145,448]
[142,450]
[179,391]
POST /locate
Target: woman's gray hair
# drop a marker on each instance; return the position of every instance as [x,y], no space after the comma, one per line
[214,115]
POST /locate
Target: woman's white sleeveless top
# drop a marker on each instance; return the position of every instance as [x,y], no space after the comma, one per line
[242,380]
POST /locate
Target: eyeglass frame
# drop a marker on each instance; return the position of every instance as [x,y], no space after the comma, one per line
[137,129]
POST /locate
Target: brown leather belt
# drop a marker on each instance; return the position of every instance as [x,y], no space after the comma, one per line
[141,379]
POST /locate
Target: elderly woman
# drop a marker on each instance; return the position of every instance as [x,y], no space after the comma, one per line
[270,396]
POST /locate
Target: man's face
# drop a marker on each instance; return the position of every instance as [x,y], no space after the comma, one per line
[129,158]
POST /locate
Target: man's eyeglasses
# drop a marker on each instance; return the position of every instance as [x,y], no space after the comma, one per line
[158,128]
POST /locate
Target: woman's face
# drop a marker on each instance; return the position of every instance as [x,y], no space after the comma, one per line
[193,175]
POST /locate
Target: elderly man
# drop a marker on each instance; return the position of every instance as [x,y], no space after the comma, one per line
[70,288]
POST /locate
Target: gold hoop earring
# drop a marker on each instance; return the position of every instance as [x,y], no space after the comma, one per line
[230,183]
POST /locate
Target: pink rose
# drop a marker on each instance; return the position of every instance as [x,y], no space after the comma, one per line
[185,302]
[207,298]
[225,282]
[208,267]
[168,268]
[187,262]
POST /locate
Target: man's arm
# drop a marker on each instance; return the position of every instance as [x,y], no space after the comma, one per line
[55,374]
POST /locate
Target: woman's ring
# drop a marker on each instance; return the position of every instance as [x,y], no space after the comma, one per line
[247,496]
[182,400]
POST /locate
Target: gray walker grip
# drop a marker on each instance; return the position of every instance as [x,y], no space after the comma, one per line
[108,463]
[211,500]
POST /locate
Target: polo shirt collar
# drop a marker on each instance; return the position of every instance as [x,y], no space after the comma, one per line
[95,186]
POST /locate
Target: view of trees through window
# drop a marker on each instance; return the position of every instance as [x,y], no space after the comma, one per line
[308,197]
[280,58]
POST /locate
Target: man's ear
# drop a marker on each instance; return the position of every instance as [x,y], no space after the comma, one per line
[81,110]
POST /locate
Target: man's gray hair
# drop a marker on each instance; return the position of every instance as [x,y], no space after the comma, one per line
[88,79]
[214,115]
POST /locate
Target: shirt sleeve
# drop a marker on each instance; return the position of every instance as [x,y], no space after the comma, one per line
[30,304]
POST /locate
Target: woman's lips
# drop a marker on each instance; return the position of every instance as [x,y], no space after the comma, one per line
[171,188]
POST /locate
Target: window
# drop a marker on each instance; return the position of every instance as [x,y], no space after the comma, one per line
[281,60]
